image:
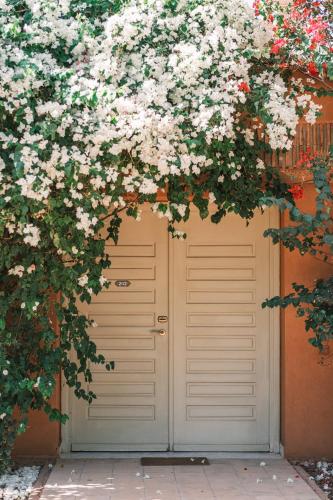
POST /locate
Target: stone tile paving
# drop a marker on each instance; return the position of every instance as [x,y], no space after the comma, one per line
[126,479]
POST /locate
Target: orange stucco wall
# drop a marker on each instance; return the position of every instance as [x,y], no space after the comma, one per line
[42,438]
[306,383]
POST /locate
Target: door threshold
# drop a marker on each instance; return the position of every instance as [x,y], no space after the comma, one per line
[212,455]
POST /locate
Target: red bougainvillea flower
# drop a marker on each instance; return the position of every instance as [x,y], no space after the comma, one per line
[244,87]
[277,45]
[316,26]
[297,192]
[286,24]
[256,6]
[312,69]
[306,158]
[305,23]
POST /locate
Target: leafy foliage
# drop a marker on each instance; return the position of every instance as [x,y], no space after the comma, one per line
[310,234]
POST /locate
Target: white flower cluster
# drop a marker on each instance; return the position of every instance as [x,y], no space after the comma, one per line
[19,270]
[31,235]
[282,109]
[149,93]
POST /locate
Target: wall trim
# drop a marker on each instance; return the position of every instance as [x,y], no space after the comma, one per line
[66,429]
[274,341]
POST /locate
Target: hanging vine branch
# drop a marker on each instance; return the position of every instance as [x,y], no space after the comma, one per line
[310,233]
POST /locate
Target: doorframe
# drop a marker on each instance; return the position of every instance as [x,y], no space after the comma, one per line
[274,354]
[66,428]
[171,377]
[274,338]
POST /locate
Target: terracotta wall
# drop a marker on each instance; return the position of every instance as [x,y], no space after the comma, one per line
[42,438]
[306,385]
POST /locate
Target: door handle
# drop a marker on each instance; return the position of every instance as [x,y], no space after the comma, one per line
[161,332]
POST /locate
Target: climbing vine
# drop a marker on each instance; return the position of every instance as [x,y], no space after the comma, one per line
[310,233]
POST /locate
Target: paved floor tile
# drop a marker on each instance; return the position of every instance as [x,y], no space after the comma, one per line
[122,479]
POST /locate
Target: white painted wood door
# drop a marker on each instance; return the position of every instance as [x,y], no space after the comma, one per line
[131,409]
[221,335]
[213,391]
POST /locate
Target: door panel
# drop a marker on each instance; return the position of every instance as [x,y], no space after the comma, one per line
[131,410]
[220,363]
[221,335]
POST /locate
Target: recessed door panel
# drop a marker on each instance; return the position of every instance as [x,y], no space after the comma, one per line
[131,409]
[221,335]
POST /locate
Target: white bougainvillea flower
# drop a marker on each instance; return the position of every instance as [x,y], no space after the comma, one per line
[31,235]
[17,271]
[149,93]
[83,280]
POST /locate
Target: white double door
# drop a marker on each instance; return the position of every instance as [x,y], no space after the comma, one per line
[183,322]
